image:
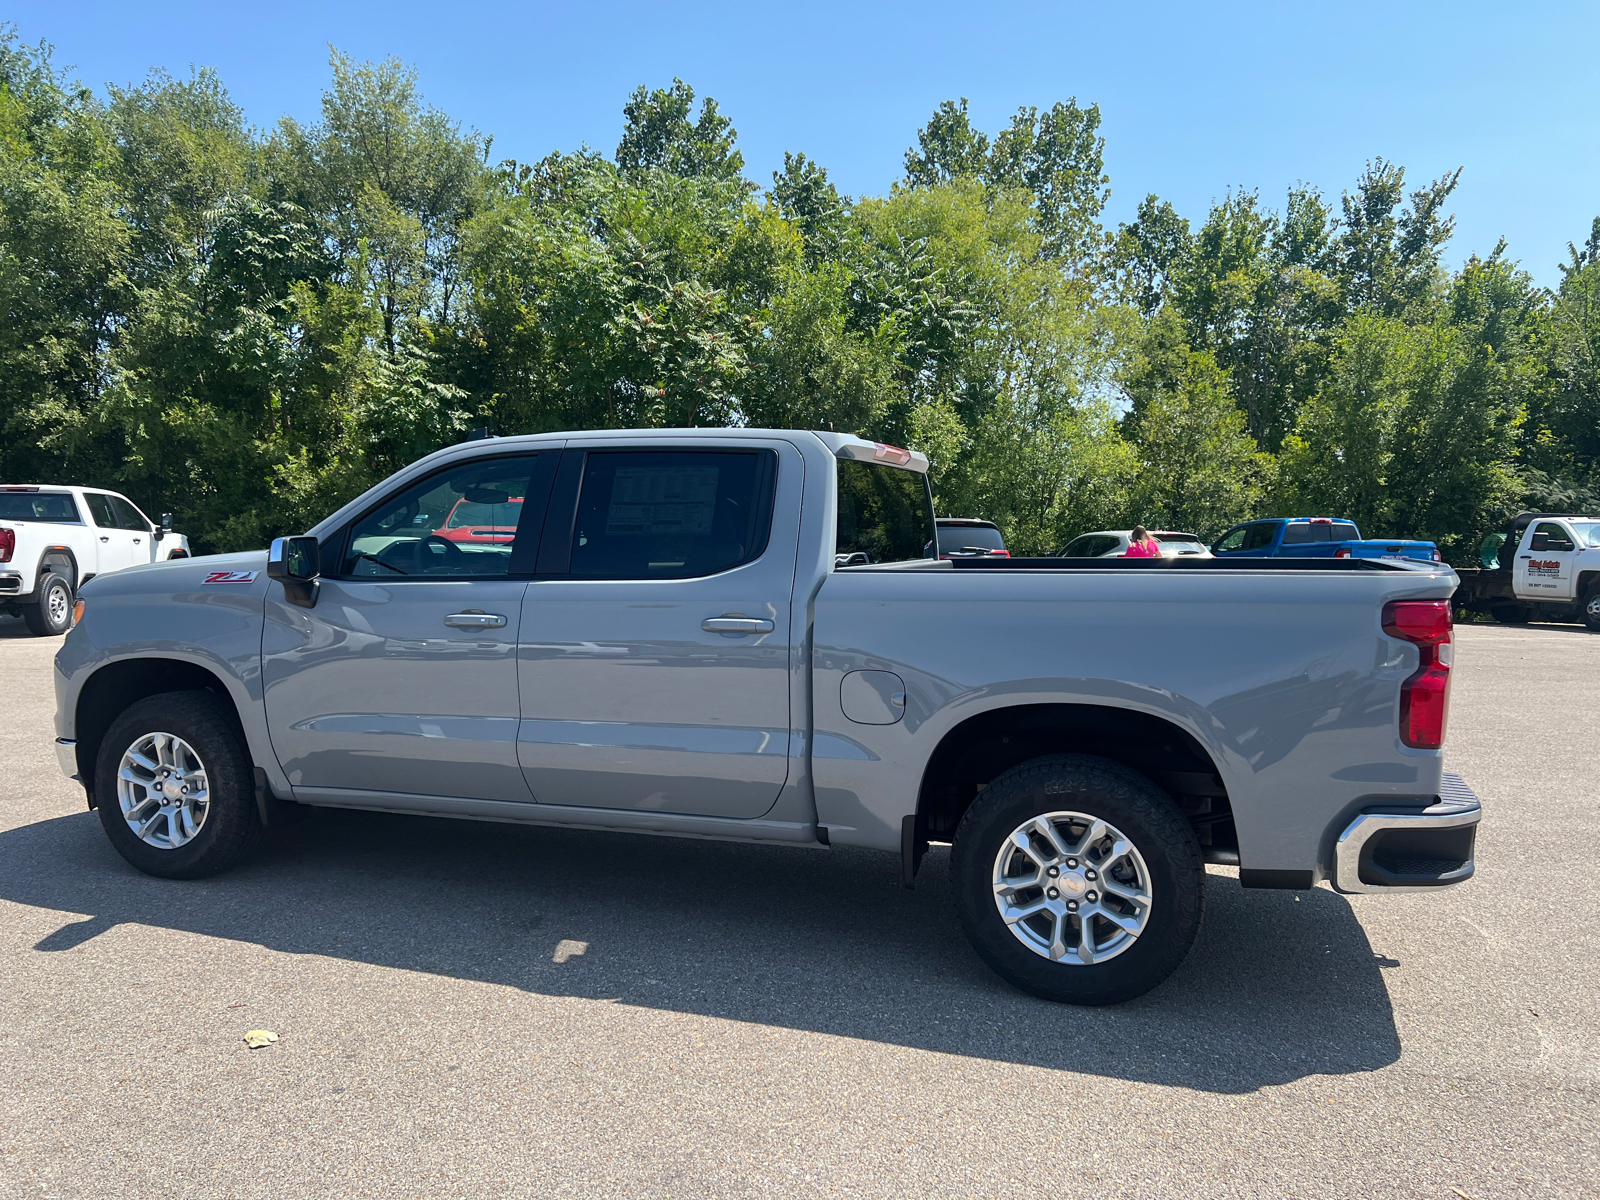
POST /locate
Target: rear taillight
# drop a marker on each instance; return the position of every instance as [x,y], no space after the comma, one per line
[1425,696]
[890,454]
[1437,557]
[999,554]
[1342,552]
[8,544]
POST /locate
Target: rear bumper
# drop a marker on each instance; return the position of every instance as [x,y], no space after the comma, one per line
[1416,850]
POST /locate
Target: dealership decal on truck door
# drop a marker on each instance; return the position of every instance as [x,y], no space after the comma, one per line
[231,577]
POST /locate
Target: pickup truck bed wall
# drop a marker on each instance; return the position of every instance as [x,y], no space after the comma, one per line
[1282,690]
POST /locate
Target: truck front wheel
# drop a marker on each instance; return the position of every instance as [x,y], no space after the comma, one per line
[1591,609]
[1078,880]
[175,787]
[51,613]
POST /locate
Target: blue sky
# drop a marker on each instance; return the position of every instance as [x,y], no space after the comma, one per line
[1194,98]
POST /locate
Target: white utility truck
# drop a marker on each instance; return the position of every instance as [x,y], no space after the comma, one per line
[1544,565]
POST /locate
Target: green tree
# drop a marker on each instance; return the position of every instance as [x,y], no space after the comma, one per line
[1199,469]
[659,134]
[948,148]
[1565,429]
[804,195]
[63,260]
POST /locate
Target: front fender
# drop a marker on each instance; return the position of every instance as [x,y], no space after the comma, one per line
[166,612]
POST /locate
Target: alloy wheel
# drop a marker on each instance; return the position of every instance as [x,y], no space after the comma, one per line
[162,790]
[1072,888]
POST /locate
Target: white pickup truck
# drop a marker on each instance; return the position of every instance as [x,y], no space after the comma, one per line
[54,539]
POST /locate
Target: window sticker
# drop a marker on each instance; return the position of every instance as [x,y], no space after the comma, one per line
[662,500]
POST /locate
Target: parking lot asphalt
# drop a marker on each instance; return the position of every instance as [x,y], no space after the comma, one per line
[487,1010]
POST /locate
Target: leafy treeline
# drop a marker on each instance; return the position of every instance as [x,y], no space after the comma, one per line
[247,328]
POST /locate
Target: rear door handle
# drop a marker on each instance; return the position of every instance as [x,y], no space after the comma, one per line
[733,624]
[475,619]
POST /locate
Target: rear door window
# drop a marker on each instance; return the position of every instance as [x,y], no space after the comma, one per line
[1300,533]
[1088,547]
[1259,536]
[672,514]
[885,515]
[100,508]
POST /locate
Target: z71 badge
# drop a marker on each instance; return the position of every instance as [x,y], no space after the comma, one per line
[231,577]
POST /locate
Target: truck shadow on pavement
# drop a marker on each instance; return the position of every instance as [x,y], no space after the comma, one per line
[1275,989]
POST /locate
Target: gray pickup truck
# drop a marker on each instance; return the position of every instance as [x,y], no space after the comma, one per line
[734,634]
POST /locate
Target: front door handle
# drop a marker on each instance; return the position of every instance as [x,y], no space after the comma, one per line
[104,538]
[733,624]
[135,541]
[475,619]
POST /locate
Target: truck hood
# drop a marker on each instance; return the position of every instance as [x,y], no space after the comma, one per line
[173,575]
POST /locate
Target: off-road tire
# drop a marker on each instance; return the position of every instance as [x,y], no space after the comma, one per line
[51,614]
[232,825]
[1124,799]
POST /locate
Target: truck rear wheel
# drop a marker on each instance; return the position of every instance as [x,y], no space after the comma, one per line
[51,614]
[175,786]
[1078,880]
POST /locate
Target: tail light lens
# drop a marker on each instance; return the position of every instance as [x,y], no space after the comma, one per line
[8,544]
[1425,696]
[1000,554]
[1342,552]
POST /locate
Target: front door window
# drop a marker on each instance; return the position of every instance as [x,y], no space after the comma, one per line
[402,678]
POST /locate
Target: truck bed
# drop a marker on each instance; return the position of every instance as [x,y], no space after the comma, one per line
[1343,565]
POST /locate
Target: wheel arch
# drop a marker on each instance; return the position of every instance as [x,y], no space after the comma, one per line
[56,557]
[117,685]
[974,752]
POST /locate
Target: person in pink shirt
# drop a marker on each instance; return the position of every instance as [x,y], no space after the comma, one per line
[1142,545]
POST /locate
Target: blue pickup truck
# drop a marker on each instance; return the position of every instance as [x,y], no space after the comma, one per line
[1315,537]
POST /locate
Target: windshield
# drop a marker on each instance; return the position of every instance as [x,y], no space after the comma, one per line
[54,507]
[1588,532]
[954,538]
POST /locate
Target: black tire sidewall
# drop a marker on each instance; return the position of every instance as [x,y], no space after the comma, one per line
[38,613]
[1134,805]
[1592,623]
[232,825]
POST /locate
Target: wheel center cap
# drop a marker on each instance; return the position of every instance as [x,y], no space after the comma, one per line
[1073,883]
